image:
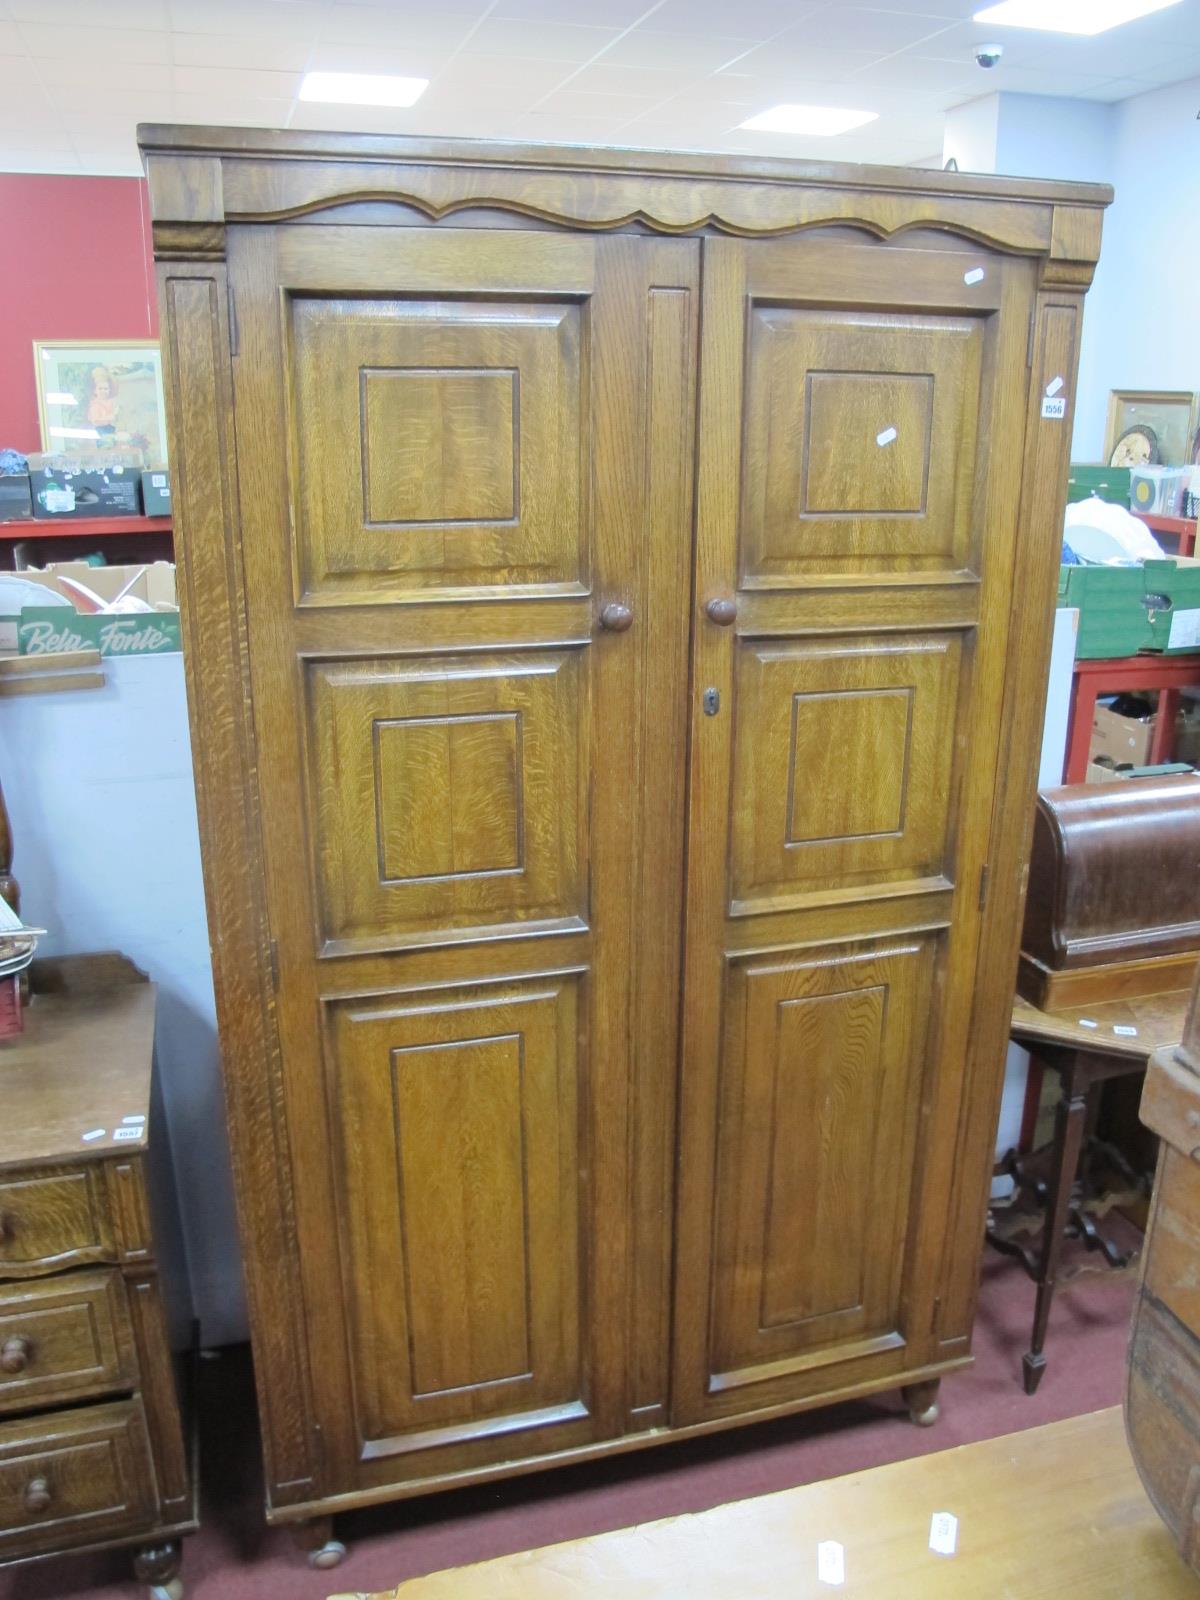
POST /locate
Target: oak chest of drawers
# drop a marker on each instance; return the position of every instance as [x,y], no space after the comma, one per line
[92,1446]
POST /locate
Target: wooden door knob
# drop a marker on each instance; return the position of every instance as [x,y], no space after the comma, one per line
[37,1495]
[615,618]
[15,1353]
[722,612]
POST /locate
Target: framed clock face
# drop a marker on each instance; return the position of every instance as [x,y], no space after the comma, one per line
[1169,417]
[1136,447]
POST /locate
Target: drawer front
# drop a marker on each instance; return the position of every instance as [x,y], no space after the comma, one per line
[74,1476]
[64,1338]
[53,1218]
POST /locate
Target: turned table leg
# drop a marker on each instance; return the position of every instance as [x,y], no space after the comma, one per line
[315,1537]
[922,1401]
[157,1566]
[1070,1118]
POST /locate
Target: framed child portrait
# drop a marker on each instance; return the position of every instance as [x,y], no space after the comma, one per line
[101,397]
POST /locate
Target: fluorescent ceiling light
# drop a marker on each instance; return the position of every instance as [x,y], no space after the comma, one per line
[362,89]
[819,120]
[1069,16]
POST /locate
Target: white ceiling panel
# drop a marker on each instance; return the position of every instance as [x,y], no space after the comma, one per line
[76,76]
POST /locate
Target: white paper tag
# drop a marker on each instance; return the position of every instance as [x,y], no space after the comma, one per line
[141,1117]
[59,500]
[1086,1022]
[1055,410]
[885,437]
[158,480]
[1124,1030]
[96,1133]
[127,1133]
[1053,388]
[976,275]
[943,1533]
[1185,630]
[831,1563]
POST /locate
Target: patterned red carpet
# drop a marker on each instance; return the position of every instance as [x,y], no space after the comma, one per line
[235,1557]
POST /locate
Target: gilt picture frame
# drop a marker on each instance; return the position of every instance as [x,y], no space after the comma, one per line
[1172,415]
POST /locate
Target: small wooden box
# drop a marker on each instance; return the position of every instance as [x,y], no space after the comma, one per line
[1114,891]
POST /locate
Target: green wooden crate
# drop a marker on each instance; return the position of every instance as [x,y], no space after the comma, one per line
[1108,483]
[1122,610]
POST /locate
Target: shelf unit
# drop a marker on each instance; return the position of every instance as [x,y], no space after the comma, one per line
[119,539]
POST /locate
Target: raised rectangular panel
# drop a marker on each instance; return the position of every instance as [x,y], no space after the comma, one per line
[459,1174]
[438,445]
[445,795]
[859,442]
[819,1088]
[843,765]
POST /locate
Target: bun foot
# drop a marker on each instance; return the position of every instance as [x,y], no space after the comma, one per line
[157,1566]
[316,1539]
[922,1402]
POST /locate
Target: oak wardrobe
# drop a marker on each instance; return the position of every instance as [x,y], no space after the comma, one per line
[617,595]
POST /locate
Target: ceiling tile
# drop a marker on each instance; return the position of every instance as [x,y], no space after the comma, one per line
[642,82]
[652,47]
[513,83]
[835,27]
[751,19]
[50,161]
[605,13]
[917,75]
[236,81]
[407,61]
[95,44]
[228,111]
[293,17]
[354,119]
[773,68]
[399,28]
[83,13]
[267,52]
[119,78]
[540,41]
[578,105]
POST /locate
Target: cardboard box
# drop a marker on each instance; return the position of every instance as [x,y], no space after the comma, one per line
[15,501]
[156,493]
[1124,740]
[60,495]
[55,631]
[154,582]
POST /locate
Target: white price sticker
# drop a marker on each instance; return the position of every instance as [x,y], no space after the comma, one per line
[943,1533]
[885,437]
[1055,410]
[141,1117]
[1053,387]
[1185,630]
[1087,1022]
[1124,1030]
[127,1133]
[96,1133]
[976,275]
[831,1563]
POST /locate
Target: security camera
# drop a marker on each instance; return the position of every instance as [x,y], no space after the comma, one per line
[988,55]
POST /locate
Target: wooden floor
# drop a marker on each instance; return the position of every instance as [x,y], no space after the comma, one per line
[1055,1511]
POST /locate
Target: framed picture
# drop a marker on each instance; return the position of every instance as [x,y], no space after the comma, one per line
[103,397]
[1151,427]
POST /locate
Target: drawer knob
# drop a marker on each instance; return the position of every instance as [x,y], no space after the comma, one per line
[722,612]
[615,618]
[37,1495]
[15,1354]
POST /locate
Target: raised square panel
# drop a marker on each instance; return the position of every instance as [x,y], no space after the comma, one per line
[445,796]
[457,1115]
[843,765]
[824,727]
[859,446]
[448,796]
[887,481]
[439,446]
[436,447]
[820,1081]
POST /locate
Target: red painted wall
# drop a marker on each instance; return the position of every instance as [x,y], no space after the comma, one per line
[76,263]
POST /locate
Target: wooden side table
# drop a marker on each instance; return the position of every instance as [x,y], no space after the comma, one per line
[1086,1046]
[92,1446]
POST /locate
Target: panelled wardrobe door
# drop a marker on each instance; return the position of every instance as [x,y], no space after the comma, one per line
[861,414]
[465,491]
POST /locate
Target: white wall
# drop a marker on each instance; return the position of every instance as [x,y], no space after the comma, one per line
[1142,328]
[99,789]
